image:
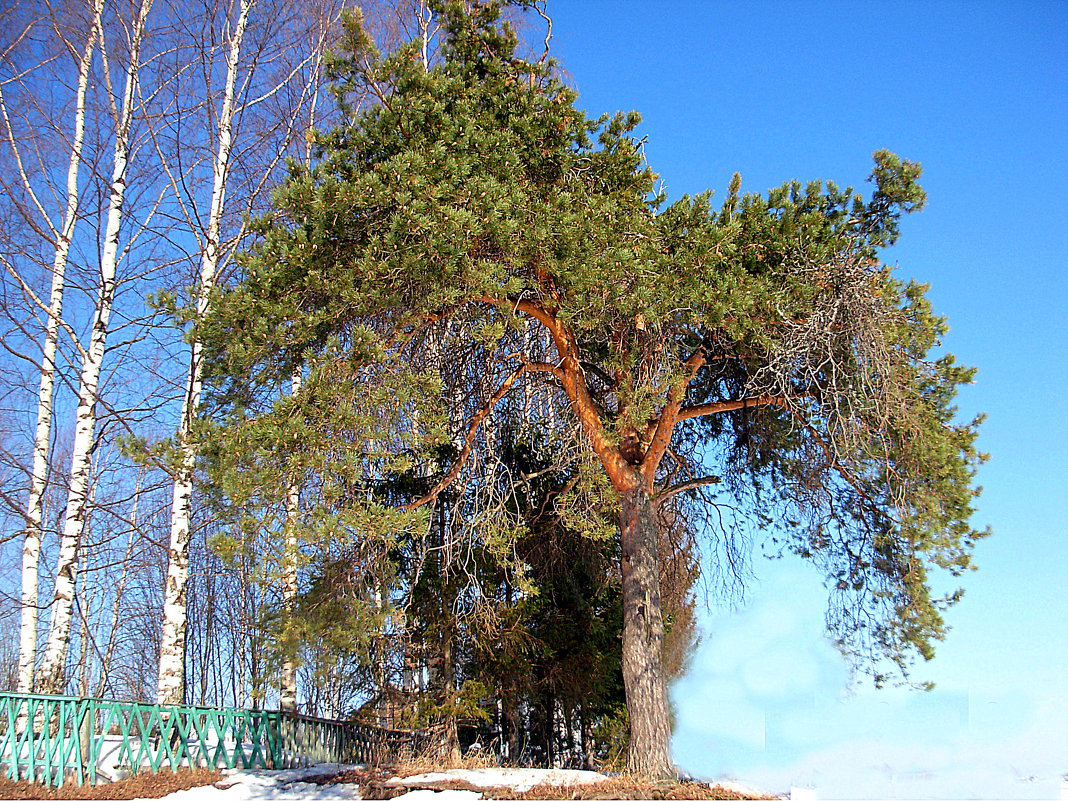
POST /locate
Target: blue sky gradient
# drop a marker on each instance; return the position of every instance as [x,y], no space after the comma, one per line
[977,92]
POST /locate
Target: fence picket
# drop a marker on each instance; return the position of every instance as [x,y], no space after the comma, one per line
[52,739]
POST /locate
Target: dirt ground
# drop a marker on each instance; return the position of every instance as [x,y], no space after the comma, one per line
[145,785]
[374,785]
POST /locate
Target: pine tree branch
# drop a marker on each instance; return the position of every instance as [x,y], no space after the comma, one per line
[574,384]
[669,416]
[833,462]
[683,486]
[705,409]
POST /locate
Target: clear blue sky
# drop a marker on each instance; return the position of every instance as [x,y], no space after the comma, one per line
[977,92]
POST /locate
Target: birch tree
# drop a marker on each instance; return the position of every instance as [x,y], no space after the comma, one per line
[62,235]
[282,74]
[122,109]
[172,650]
[287,690]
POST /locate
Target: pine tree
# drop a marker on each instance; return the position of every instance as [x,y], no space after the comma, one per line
[764,338]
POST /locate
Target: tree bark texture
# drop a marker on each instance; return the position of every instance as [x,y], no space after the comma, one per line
[453,755]
[31,550]
[287,693]
[643,637]
[52,668]
[171,684]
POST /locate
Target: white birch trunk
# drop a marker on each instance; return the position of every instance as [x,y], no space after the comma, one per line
[287,699]
[52,668]
[31,550]
[171,685]
[426,17]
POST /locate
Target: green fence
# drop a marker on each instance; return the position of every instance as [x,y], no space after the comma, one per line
[55,739]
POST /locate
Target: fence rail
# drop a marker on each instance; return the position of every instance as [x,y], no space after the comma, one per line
[51,739]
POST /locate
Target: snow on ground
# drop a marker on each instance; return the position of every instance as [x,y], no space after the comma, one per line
[273,785]
[290,785]
[519,779]
[282,785]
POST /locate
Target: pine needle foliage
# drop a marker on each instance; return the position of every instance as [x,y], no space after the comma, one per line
[758,354]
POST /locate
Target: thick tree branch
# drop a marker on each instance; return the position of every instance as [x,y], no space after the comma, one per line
[705,409]
[541,367]
[683,486]
[669,416]
[597,370]
[570,375]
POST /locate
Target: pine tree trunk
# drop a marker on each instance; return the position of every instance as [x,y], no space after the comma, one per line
[52,667]
[171,685]
[511,724]
[453,755]
[31,551]
[643,638]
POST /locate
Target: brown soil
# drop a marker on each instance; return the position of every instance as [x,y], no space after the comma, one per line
[374,785]
[144,785]
[624,787]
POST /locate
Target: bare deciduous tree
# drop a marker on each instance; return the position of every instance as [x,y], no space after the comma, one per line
[122,108]
[60,235]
